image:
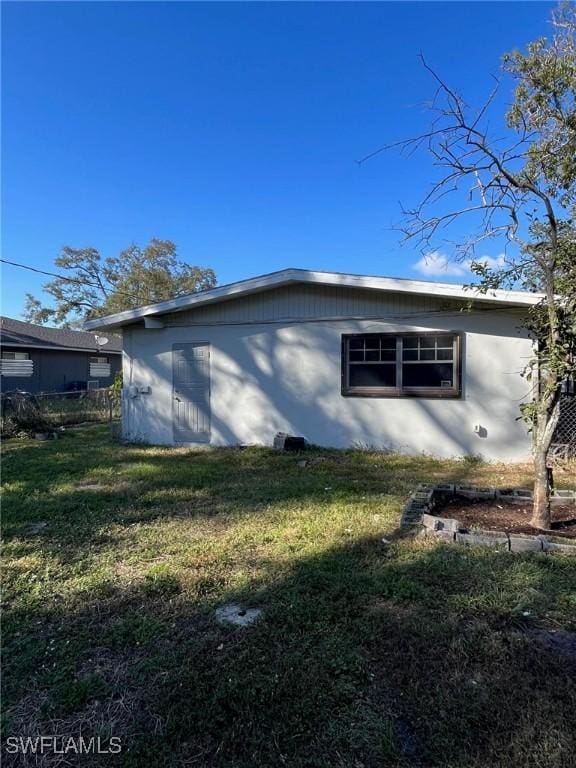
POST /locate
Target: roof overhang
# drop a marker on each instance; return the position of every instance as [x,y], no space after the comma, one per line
[303,276]
[55,348]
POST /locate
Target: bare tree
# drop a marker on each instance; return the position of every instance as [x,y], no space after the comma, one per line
[518,188]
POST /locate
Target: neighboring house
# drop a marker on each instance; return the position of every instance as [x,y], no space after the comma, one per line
[34,358]
[344,360]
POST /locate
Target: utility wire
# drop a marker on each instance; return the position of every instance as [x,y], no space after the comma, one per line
[399,316]
[334,318]
[76,280]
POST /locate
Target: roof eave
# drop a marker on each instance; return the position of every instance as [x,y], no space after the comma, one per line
[56,348]
[229,291]
[278,279]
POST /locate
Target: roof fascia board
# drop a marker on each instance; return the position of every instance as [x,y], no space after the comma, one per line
[287,276]
[56,348]
[241,288]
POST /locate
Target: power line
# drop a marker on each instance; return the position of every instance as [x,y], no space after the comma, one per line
[76,280]
[337,318]
[50,274]
[454,311]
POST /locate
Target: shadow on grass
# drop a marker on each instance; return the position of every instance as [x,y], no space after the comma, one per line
[366,655]
[88,482]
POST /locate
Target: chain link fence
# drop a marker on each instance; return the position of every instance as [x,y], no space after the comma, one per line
[564,440]
[22,412]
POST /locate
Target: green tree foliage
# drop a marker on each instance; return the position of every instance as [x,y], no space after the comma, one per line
[92,286]
[518,188]
[543,117]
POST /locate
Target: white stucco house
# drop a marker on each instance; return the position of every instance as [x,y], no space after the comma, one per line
[341,359]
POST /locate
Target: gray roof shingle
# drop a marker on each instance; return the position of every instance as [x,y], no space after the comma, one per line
[18,333]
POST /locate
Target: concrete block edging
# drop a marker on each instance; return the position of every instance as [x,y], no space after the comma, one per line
[419,511]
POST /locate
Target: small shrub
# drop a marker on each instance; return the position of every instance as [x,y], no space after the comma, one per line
[472,459]
[21,413]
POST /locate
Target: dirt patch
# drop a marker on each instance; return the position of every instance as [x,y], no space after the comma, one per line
[512,518]
[88,485]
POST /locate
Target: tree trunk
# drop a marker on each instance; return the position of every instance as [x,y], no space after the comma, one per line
[541,508]
[543,432]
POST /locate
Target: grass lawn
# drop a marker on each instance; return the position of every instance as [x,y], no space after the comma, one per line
[366,655]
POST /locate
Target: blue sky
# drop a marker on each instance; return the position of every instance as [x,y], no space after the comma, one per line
[232,129]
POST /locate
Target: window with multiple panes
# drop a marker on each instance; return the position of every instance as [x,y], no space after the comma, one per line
[401,365]
[99,366]
[16,364]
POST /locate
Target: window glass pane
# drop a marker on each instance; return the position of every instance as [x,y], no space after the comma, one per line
[8,356]
[431,375]
[428,362]
[380,375]
[372,348]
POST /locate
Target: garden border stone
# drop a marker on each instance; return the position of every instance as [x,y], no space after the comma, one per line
[419,511]
[520,542]
[480,537]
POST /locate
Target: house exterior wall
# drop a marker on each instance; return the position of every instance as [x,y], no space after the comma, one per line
[304,302]
[53,370]
[269,376]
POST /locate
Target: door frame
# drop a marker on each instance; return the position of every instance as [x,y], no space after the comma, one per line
[200,440]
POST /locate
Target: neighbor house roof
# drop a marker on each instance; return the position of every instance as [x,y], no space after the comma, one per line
[15,333]
[335,279]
